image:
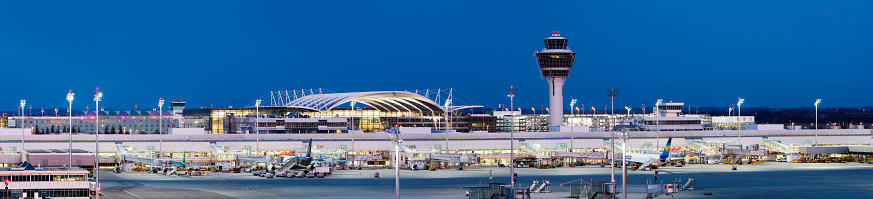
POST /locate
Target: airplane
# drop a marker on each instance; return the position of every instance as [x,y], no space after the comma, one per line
[307,163]
[180,164]
[648,158]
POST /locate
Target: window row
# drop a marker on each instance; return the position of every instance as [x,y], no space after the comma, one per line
[28,178]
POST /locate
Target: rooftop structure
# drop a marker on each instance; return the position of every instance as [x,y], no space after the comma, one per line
[386,101]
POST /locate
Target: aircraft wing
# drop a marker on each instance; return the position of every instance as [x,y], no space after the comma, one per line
[640,157]
[340,161]
[681,158]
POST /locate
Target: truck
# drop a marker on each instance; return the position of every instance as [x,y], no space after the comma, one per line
[324,170]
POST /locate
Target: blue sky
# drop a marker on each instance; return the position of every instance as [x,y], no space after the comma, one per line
[228,53]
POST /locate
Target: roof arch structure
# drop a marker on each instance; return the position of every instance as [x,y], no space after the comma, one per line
[386,101]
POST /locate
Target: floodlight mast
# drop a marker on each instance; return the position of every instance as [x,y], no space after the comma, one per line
[739,108]
[817,101]
[511,94]
[395,137]
[23,102]
[624,136]
[161,136]
[655,110]
[730,113]
[572,127]
[572,102]
[611,93]
[353,126]
[257,126]
[97,97]
[70,97]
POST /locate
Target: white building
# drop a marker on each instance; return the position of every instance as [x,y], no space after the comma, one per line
[46,182]
[732,122]
[669,119]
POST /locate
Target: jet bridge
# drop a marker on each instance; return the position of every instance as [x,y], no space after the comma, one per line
[137,157]
[225,158]
[702,147]
[255,158]
[537,151]
[421,156]
[461,158]
[779,147]
[609,148]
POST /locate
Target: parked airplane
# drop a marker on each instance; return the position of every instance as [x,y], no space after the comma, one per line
[648,158]
[180,164]
[307,163]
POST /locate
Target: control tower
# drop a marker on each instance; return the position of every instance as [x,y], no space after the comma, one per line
[555,62]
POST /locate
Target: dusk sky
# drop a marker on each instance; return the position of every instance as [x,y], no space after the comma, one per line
[229,53]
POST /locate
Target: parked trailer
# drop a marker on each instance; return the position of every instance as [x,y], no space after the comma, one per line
[324,170]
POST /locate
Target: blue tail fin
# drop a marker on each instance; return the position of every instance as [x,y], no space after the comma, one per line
[666,152]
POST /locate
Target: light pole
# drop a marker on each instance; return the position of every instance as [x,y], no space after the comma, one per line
[511,94]
[624,137]
[572,128]
[628,109]
[448,121]
[257,127]
[353,126]
[161,135]
[395,137]
[817,101]
[611,93]
[572,102]
[70,97]
[739,108]
[730,113]
[97,96]
[23,102]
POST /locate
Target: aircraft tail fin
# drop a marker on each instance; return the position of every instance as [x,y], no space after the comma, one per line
[666,153]
[309,150]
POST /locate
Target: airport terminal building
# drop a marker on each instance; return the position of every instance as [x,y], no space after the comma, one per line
[433,132]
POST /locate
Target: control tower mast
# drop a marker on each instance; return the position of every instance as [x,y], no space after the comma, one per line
[555,62]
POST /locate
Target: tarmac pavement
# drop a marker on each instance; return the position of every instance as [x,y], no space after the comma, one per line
[771,180]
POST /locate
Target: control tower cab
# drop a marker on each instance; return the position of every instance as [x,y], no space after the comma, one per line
[178,106]
[670,109]
[555,62]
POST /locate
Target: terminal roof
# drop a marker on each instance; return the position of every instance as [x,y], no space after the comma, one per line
[387,101]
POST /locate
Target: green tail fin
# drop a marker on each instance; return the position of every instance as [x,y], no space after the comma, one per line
[309,151]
